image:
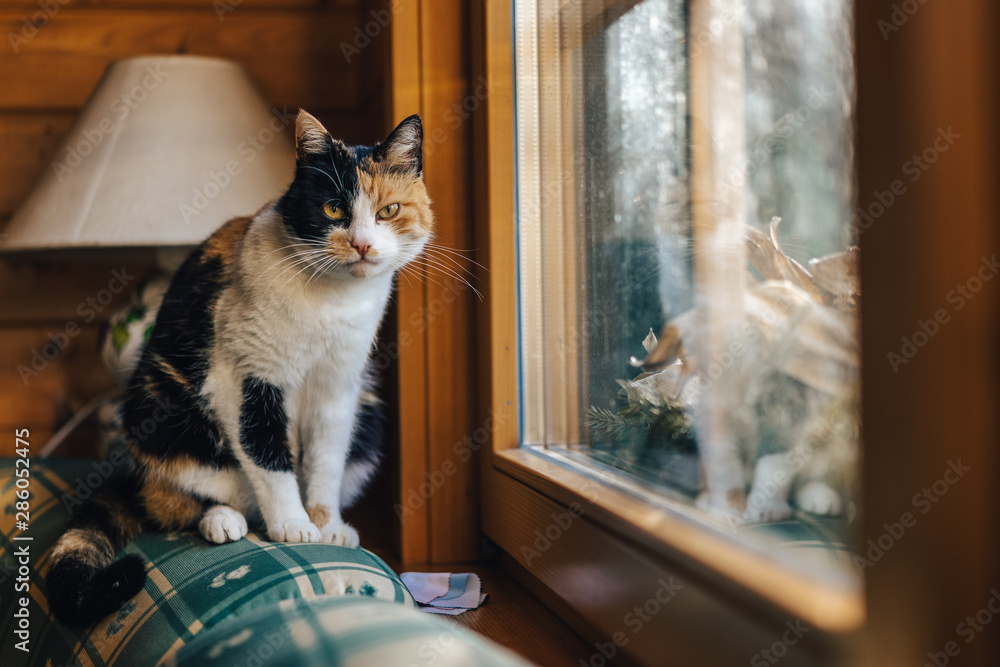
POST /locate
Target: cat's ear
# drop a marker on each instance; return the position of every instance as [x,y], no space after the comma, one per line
[404,147]
[310,136]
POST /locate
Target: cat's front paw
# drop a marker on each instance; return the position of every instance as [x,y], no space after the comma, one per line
[340,534]
[771,509]
[818,498]
[293,530]
[222,524]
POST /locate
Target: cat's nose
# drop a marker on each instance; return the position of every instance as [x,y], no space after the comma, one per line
[362,247]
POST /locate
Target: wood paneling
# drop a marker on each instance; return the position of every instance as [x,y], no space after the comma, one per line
[430,75]
[43,293]
[450,356]
[27,145]
[412,337]
[29,7]
[295,57]
[920,76]
[42,384]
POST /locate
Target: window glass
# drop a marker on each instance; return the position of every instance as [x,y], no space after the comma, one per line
[688,285]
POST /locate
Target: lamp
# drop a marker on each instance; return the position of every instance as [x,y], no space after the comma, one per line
[166,150]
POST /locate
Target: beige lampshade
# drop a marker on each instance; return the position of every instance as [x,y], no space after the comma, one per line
[165,151]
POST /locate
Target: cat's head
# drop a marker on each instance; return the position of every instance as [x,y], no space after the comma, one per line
[365,207]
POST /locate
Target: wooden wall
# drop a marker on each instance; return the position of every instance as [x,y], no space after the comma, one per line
[293,50]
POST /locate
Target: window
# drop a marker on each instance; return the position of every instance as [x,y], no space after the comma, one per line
[595,539]
[687,284]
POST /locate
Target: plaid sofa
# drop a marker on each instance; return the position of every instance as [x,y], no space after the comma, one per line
[202,602]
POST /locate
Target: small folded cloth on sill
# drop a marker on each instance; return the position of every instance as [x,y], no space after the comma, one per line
[445,592]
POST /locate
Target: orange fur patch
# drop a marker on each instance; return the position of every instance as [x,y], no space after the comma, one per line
[383,187]
[163,471]
[170,507]
[223,244]
[320,515]
[339,246]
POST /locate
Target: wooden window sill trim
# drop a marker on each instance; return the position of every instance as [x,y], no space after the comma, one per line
[752,579]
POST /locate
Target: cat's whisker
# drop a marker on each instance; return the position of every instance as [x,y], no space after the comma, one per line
[336,172]
[305,166]
[448,258]
[286,247]
[295,261]
[304,258]
[457,253]
[309,265]
[327,264]
[425,277]
[451,274]
[299,258]
[406,277]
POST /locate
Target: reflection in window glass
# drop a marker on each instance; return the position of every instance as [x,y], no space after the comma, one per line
[616,262]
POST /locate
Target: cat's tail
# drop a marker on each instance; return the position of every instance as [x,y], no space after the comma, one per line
[84,582]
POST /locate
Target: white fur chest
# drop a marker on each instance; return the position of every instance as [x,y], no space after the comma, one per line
[285,334]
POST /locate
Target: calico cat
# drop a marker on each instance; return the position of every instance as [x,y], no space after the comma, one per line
[253,396]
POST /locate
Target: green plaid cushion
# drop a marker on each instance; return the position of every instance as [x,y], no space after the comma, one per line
[192,585]
[347,632]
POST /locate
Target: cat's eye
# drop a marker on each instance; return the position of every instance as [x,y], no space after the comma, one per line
[388,212]
[333,211]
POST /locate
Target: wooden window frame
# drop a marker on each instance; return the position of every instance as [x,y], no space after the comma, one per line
[610,558]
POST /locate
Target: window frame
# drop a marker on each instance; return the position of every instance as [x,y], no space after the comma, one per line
[908,88]
[617,542]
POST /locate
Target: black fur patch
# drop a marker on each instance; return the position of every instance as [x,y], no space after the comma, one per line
[162,416]
[83,588]
[111,511]
[405,145]
[264,425]
[369,435]
[319,179]
[80,594]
